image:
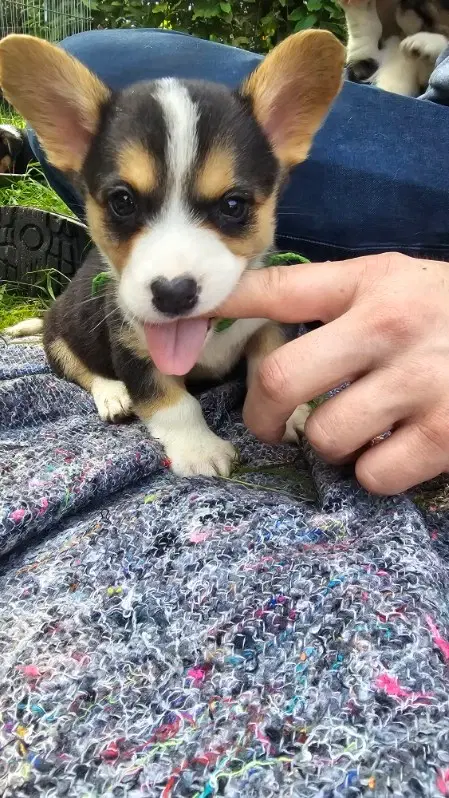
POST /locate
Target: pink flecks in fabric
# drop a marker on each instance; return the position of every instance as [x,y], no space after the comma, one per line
[43,505]
[111,752]
[200,536]
[198,674]
[18,515]
[442,781]
[31,672]
[392,687]
[439,641]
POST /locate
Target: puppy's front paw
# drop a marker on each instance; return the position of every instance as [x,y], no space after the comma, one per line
[295,424]
[424,45]
[25,328]
[111,398]
[201,453]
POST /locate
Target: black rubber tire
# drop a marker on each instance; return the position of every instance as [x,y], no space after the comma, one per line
[32,241]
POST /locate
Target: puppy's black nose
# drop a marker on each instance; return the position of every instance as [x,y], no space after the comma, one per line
[174,297]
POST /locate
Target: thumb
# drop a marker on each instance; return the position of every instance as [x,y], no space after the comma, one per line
[290,294]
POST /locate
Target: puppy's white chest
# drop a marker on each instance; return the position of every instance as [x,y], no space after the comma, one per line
[223,349]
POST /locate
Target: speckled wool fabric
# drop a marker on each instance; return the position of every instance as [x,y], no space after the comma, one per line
[277,634]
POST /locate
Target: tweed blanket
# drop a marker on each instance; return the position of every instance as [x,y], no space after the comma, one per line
[279,633]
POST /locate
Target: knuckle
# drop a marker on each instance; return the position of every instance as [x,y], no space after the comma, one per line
[391,262]
[322,436]
[273,381]
[397,380]
[395,322]
[373,480]
[381,265]
[435,434]
[274,281]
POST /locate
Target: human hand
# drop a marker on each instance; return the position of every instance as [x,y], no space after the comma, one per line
[387,333]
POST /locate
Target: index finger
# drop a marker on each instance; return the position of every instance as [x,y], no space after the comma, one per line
[338,353]
[290,294]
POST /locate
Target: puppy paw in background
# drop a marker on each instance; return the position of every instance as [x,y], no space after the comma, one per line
[394,45]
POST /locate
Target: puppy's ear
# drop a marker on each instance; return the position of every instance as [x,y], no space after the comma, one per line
[56,94]
[292,89]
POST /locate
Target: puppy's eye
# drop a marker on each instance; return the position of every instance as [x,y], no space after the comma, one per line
[233,207]
[122,203]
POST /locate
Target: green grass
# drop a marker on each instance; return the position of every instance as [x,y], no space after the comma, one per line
[31,191]
[14,308]
[9,117]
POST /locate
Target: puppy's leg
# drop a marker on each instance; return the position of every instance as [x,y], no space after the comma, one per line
[110,396]
[364,34]
[174,417]
[425,45]
[398,72]
[265,341]
[170,413]
[25,328]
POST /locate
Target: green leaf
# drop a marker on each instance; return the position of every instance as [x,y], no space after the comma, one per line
[226,8]
[205,10]
[268,19]
[223,324]
[308,22]
[286,259]
[314,5]
[100,279]
[159,8]
[297,13]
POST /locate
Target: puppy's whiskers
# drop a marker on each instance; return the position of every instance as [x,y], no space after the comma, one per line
[104,318]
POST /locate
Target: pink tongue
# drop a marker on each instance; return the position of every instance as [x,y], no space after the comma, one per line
[174,347]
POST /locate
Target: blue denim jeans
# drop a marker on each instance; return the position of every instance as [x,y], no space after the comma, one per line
[377,178]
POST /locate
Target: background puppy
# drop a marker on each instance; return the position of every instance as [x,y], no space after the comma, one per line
[15,152]
[394,44]
[180,181]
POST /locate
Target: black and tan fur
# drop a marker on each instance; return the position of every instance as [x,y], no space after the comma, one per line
[15,152]
[394,44]
[183,151]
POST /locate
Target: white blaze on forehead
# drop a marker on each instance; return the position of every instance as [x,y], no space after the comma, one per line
[181,118]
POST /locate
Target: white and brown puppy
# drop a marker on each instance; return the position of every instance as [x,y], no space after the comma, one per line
[180,181]
[394,44]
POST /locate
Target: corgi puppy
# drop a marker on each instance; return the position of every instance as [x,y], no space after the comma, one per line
[180,180]
[394,44]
